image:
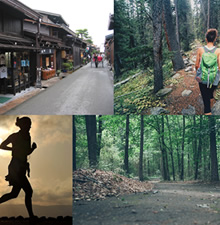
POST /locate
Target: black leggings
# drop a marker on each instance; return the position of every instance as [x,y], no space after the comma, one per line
[25,185]
[207,95]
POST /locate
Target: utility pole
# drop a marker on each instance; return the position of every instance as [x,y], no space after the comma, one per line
[38,71]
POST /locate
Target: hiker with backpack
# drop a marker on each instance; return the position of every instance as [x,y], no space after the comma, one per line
[208,67]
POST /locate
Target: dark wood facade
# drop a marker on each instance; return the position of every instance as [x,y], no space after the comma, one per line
[35,45]
[109,42]
[16,50]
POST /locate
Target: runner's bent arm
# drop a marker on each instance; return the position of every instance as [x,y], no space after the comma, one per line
[34,146]
[4,144]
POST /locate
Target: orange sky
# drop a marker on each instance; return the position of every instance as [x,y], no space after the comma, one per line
[51,165]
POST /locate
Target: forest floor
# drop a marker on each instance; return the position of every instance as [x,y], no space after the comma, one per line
[176,102]
[136,95]
[173,203]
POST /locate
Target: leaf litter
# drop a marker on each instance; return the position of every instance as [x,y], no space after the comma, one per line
[97,185]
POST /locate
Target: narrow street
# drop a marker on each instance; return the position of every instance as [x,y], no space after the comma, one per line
[87,91]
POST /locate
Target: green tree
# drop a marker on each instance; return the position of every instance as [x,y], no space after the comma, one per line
[84,35]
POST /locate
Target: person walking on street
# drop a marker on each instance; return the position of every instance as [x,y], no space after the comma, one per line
[99,58]
[103,58]
[18,167]
[208,67]
[95,59]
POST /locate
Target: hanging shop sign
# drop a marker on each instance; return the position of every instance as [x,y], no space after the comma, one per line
[2,59]
[47,51]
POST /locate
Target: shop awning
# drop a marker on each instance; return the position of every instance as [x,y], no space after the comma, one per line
[14,39]
[64,46]
[12,42]
[17,47]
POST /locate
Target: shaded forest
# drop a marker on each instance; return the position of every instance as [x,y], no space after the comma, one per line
[146,28]
[154,41]
[147,147]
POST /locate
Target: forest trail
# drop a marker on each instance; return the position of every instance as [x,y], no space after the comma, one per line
[185,98]
[178,203]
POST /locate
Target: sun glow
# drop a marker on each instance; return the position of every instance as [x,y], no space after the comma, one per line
[4,153]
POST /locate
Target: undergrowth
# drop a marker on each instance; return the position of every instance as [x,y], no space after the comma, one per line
[136,95]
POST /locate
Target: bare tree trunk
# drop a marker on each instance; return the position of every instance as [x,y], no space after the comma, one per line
[208,15]
[126,145]
[141,150]
[157,46]
[213,150]
[177,22]
[171,36]
[198,156]
[91,139]
[164,152]
[74,144]
[99,137]
[182,154]
[171,149]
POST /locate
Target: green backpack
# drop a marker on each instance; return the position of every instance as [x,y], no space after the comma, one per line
[209,66]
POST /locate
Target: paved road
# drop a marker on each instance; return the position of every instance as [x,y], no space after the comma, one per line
[88,91]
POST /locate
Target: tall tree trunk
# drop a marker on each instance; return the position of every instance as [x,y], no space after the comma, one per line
[188,167]
[208,15]
[177,22]
[213,150]
[126,167]
[141,150]
[99,137]
[177,149]
[171,148]
[194,141]
[164,152]
[171,36]
[182,154]
[198,156]
[157,46]
[91,139]
[74,144]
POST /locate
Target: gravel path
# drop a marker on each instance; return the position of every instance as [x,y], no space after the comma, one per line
[168,204]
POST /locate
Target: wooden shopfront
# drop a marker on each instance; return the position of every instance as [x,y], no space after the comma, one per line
[48,63]
[18,72]
[17,52]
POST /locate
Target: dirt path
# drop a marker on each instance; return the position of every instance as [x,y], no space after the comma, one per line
[175,102]
[168,204]
[186,81]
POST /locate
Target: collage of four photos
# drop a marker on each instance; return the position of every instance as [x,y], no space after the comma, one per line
[110,112]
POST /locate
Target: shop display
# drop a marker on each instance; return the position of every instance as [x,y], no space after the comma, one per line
[3,72]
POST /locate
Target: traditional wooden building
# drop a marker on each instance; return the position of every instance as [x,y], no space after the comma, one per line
[33,45]
[59,44]
[109,42]
[16,51]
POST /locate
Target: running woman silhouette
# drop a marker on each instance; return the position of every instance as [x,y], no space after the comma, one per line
[21,148]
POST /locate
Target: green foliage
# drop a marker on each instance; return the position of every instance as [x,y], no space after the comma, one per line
[113,144]
[68,66]
[136,95]
[185,24]
[133,41]
[84,34]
